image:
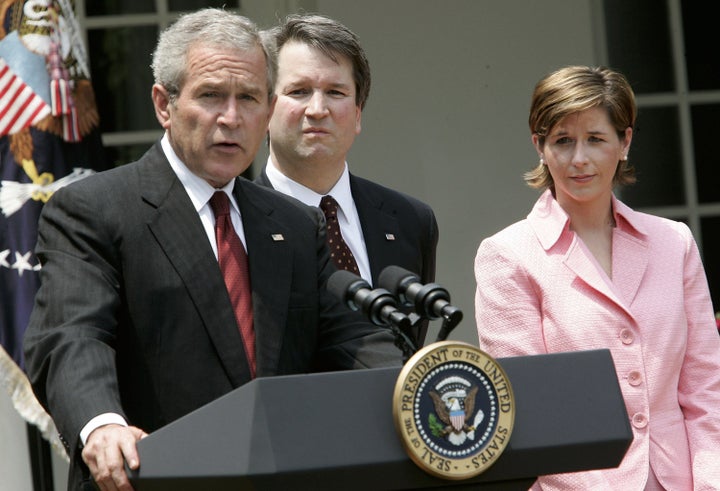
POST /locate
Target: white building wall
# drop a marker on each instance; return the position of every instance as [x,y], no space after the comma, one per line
[446,122]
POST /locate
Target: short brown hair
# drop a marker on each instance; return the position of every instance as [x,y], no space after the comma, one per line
[332,38]
[577,88]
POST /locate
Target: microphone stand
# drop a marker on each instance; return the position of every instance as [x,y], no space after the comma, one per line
[447,326]
[403,339]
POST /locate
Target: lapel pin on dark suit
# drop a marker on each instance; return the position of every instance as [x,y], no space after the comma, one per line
[277,237]
[389,236]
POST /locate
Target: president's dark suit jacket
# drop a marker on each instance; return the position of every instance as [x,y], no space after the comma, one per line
[398,230]
[133,316]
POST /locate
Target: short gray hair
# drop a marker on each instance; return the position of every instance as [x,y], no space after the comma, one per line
[209,26]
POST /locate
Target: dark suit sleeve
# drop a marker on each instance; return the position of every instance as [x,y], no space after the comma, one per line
[428,250]
[69,353]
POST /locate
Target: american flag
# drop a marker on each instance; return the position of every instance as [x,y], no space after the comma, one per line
[49,137]
[20,107]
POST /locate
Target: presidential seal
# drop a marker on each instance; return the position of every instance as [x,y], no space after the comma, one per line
[454,409]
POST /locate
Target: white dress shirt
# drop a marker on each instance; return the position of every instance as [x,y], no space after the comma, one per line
[200,193]
[347,213]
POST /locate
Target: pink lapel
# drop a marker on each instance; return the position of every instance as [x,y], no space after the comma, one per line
[550,223]
[630,251]
[586,270]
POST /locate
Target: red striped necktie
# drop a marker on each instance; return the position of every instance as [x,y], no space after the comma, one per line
[234,266]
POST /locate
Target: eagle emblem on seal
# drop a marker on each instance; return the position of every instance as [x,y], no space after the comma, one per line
[455,417]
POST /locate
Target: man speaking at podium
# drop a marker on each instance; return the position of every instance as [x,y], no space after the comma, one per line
[144,313]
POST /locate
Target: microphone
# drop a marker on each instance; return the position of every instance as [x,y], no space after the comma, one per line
[378,305]
[431,300]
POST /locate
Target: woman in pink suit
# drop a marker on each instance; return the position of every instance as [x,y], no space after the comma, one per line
[584,271]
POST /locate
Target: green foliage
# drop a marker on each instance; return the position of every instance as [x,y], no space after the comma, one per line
[436,428]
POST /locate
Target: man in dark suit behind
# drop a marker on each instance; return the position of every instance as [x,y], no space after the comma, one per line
[133,326]
[322,85]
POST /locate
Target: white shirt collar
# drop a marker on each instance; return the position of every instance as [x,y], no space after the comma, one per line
[197,188]
[340,191]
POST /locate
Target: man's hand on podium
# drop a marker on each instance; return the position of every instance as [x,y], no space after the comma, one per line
[105,453]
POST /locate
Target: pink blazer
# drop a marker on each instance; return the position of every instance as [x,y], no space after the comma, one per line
[540,291]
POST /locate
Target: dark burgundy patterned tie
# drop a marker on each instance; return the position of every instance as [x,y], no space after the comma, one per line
[234,266]
[339,250]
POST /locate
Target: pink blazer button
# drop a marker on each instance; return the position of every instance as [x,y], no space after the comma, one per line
[639,420]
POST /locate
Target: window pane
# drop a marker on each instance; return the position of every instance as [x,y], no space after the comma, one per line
[639,43]
[710,227]
[123,154]
[701,37]
[120,60]
[658,165]
[707,162]
[117,7]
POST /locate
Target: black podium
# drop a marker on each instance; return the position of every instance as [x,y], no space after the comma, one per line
[335,431]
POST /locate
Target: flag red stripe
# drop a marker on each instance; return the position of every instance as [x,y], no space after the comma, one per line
[6,81]
[20,105]
[16,110]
